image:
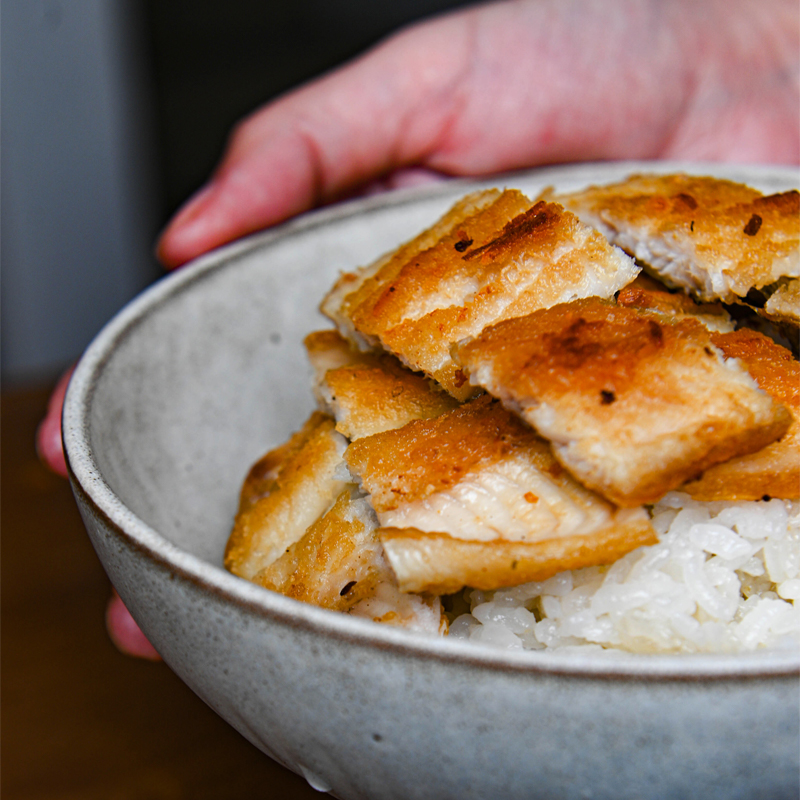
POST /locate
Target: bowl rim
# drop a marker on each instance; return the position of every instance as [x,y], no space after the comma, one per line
[91,488]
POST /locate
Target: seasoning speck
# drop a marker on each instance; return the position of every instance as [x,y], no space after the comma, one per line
[607,397]
[753,225]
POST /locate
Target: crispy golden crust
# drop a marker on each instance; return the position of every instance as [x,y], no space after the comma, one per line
[262,478]
[370,392]
[438,563]
[432,277]
[772,366]
[430,456]
[339,564]
[354,288]
[773,471]
[368,400]
[328,349]
[505,260]
[336,563]
[633,404]
[285,492]
[715,238]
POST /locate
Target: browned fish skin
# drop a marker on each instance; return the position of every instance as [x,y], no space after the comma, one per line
[369,393]
[479,474]
[285,493]
[262,478]
[715,238]
[335,564]
[368,400]
[633,404]
[505,260]
[339,564]
[429,456]
[773,471]
[353,287]
[442,564]
[437,273]
[327,350]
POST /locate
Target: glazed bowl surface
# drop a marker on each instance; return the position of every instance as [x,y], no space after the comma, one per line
[202,374]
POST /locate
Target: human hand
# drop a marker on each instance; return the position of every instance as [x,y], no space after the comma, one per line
[511,85]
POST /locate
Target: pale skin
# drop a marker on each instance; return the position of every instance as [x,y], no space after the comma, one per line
[498,87]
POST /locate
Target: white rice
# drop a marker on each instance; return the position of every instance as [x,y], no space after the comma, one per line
[724,578]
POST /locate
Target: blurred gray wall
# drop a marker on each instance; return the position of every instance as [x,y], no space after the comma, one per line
[76,177]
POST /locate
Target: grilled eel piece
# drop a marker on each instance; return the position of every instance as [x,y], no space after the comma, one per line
[475,498]
[714,238]
[634,402]
[773,471]
[493,256]
[304,531]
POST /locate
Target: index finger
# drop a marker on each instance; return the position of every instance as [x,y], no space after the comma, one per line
[383,111]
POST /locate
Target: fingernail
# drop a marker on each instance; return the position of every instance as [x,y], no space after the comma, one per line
[194,206]
[176,243]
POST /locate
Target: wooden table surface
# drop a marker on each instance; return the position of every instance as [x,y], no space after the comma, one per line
[79,720]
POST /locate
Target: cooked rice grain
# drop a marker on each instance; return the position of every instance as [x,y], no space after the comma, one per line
[724,577]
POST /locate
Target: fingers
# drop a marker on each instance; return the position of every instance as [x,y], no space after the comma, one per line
[510,85]
[320,142]
[125,633]
[48,436]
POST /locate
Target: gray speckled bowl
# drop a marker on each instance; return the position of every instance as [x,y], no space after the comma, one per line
[203,373]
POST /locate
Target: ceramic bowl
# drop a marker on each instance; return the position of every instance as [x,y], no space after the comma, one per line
[202,374]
